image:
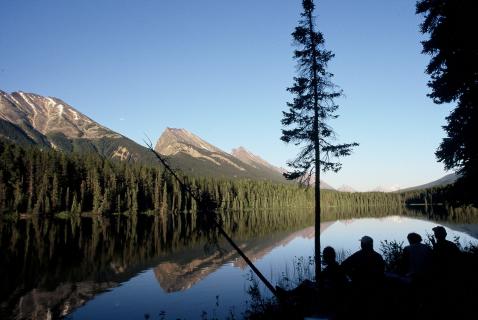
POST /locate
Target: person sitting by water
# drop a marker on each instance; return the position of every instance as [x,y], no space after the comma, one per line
[331,280]
[445,252]
[446,256]
[447,272]
[417,259]
[332,277]
[365,267]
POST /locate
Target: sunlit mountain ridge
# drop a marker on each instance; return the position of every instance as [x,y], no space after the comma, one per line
[48,122]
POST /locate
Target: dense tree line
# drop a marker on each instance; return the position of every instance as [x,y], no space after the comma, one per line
[46,182]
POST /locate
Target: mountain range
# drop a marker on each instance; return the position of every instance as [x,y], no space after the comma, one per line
[448,179]
[49,122]
[194,156]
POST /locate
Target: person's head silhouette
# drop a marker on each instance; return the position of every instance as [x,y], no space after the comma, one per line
[440,233]
[328,255]
[414,238]
[366,243]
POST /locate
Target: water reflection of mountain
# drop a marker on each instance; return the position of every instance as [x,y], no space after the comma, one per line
[50,267]
[184,269]
[59,302]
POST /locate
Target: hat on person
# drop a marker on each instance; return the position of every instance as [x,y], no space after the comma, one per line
[366,240]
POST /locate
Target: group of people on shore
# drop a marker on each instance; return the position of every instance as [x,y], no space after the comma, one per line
[362,278]
[417,265]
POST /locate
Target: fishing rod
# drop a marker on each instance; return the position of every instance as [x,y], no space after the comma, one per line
[214,221]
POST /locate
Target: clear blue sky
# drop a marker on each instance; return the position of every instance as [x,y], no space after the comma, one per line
[221,68]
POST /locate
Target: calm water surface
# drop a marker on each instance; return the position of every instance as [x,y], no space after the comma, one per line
[123,268]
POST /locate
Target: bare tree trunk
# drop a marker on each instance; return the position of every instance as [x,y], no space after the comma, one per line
[317,216]
[316,137]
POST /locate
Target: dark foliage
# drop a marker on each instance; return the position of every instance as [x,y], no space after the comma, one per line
[46,182]
[453,69]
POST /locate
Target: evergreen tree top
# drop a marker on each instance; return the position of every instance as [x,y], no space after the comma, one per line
[305,121]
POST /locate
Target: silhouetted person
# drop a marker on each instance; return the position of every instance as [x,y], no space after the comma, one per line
[416,267]
[446,256]
[445,253]
[447,273]
[366,269]
[332,282]
[332,277]
[417,259]
[330,285]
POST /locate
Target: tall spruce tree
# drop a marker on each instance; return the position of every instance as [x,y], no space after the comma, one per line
[305,122]
[453,69]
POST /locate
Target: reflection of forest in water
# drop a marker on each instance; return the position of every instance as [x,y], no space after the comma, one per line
[58,264]
[52,266]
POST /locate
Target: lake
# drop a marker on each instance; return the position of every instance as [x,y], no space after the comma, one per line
[162,267]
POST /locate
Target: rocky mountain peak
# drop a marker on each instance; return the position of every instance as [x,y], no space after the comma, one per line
[196,156]
[49,114]
[32,119]
[174,140]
